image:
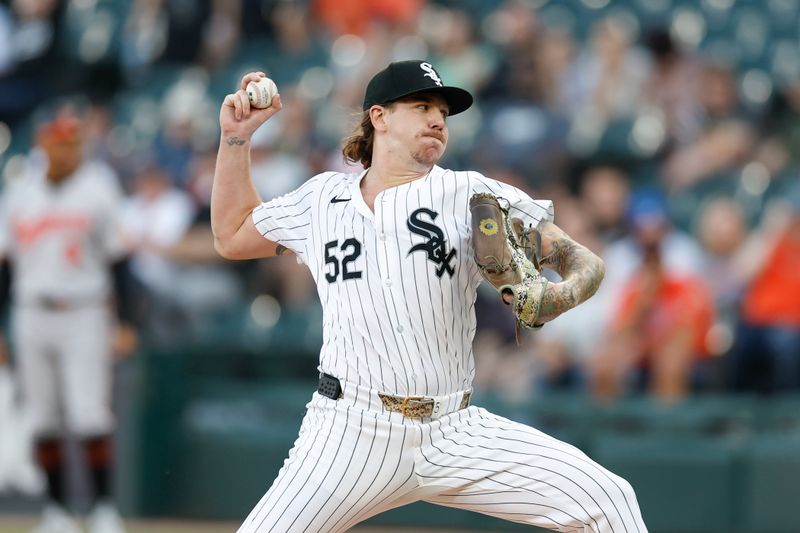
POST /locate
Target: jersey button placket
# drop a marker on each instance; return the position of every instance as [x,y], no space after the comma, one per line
[385,241]
[380,232]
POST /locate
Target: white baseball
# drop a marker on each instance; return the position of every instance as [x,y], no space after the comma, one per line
[261,92]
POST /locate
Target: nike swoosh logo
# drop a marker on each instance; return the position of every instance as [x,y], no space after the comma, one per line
[334,200]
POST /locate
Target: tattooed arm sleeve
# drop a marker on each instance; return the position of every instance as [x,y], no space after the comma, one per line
[580,269]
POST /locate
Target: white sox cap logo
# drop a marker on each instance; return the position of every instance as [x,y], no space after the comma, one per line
[427,67]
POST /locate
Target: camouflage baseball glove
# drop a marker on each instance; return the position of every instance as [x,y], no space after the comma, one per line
[508,257]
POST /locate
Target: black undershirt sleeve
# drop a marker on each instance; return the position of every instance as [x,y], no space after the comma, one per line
[123,298]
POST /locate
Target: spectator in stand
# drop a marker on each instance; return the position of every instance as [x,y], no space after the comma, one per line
[674,87]
[607,81]
[790,125]
[155,218]
[766,356]
[297,45]
[562,357]
[597,218]
[516,31]
[533,61]
[779,140]
[462,58]
[679,252]
[721,229]
[33,31]
[177,32]
[725,137]
[355,16]
[658,335]
[604,197]
[185,127]
[661,317]
[276,171]
[554,57]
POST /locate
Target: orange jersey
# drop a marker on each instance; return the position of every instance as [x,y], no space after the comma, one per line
[774,294]
[679,301]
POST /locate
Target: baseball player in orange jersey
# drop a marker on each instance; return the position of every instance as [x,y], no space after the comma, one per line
[58,228]
[391,251]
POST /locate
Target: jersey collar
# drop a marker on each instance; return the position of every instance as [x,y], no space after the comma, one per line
[358,199]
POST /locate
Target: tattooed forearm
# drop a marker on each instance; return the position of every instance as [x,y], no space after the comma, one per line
[235,140]
[556,299]
[581,272]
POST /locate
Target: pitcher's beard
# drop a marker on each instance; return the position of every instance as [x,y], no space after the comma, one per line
[426,156]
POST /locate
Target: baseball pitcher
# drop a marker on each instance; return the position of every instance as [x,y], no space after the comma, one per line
[397,252]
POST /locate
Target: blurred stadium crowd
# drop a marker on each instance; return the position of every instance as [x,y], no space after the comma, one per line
[666,131]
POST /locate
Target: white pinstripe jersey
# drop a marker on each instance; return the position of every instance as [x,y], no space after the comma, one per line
[397,286]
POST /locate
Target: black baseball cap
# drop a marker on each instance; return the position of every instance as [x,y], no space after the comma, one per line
[404,78]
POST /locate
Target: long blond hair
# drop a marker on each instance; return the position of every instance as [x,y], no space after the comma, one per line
[357,147]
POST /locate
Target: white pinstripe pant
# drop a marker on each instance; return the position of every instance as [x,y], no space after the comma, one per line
[349,464]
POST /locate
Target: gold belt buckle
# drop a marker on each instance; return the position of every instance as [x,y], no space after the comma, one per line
[465,400]
[404,405]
